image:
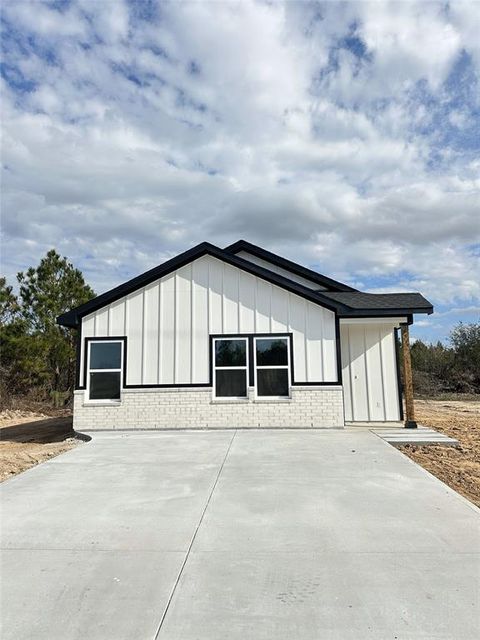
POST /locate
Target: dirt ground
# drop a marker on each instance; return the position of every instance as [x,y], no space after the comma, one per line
[28,438]
[459,467]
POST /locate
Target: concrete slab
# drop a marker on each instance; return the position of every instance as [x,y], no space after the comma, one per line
[275,534]
[340,596]
[93,542]
[334,514]
[420,436]
[54,594]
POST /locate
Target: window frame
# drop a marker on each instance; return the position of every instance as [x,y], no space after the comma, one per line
[88,370]
[287,366]
[245,367]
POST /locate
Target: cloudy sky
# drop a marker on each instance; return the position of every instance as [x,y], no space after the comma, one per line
[343,135]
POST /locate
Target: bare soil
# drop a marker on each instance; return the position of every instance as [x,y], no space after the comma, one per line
[459,467]
[28,438]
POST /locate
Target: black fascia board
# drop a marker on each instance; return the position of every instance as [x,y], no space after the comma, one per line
[72,318]
[383,313]
[294,267]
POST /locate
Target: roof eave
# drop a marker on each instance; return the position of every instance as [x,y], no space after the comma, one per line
[373,313]
[72,318]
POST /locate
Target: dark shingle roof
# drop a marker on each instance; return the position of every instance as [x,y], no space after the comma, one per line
[72,318]
[372,302]
[346,303]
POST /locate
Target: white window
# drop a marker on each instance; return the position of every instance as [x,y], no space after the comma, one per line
[272,366]
[104,370]
[230,367]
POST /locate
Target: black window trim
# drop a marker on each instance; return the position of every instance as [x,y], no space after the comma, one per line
[87,370]
[293,381]
[250,343]
[288,366]
[86,341]
[245,367]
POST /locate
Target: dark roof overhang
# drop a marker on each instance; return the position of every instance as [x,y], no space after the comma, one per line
[346,303]
[381,304]
[72,318]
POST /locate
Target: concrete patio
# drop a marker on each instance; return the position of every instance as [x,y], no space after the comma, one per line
[278,534]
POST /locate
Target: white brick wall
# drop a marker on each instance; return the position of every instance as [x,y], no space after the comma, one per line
[193,408]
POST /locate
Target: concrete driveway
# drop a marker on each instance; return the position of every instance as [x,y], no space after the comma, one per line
[281,534]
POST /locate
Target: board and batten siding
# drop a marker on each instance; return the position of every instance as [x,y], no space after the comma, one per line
[168,324]
[369,371]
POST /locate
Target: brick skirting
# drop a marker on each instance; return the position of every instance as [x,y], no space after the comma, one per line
[194,408]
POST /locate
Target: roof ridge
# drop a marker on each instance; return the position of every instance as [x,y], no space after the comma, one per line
[295,267]
[72,317]
[340,302]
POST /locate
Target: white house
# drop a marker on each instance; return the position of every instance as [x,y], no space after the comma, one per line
[238,337]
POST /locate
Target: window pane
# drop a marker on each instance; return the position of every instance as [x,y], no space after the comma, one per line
[272,352]
[105,385]
[230,383]
[230,353]
[105,355]
[272,382]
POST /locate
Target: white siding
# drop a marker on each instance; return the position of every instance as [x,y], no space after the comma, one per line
[247,294]
[135,333]
[150,329]
[281,272]
[369,372]
[200,300]
[167,330]
[168,323]
[117,319]
[183,327]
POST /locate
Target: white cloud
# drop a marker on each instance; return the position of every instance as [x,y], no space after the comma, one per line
[318,130]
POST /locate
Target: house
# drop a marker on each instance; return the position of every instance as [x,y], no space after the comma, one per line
[240,337]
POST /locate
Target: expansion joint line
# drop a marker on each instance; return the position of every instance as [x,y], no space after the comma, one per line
[194,536]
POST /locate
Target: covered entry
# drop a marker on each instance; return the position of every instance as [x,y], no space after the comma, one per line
[370,370]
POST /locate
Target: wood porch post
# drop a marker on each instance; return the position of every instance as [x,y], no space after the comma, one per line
[407,379]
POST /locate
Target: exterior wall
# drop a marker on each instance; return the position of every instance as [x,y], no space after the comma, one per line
[193,408]
[369,371]
[168,323]
[282,272]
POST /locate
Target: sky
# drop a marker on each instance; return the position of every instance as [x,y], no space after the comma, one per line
[342,135]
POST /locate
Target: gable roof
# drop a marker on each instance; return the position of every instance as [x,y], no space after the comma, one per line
[340,302]
[298,269]
[73,317]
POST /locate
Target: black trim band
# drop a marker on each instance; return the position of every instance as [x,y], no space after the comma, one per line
[338,347]
[78,351]
[73,317]
[339,301]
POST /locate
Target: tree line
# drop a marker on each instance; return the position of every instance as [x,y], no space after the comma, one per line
[38,356]
[448,368]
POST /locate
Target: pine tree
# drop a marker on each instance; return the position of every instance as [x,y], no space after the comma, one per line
[37,354]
